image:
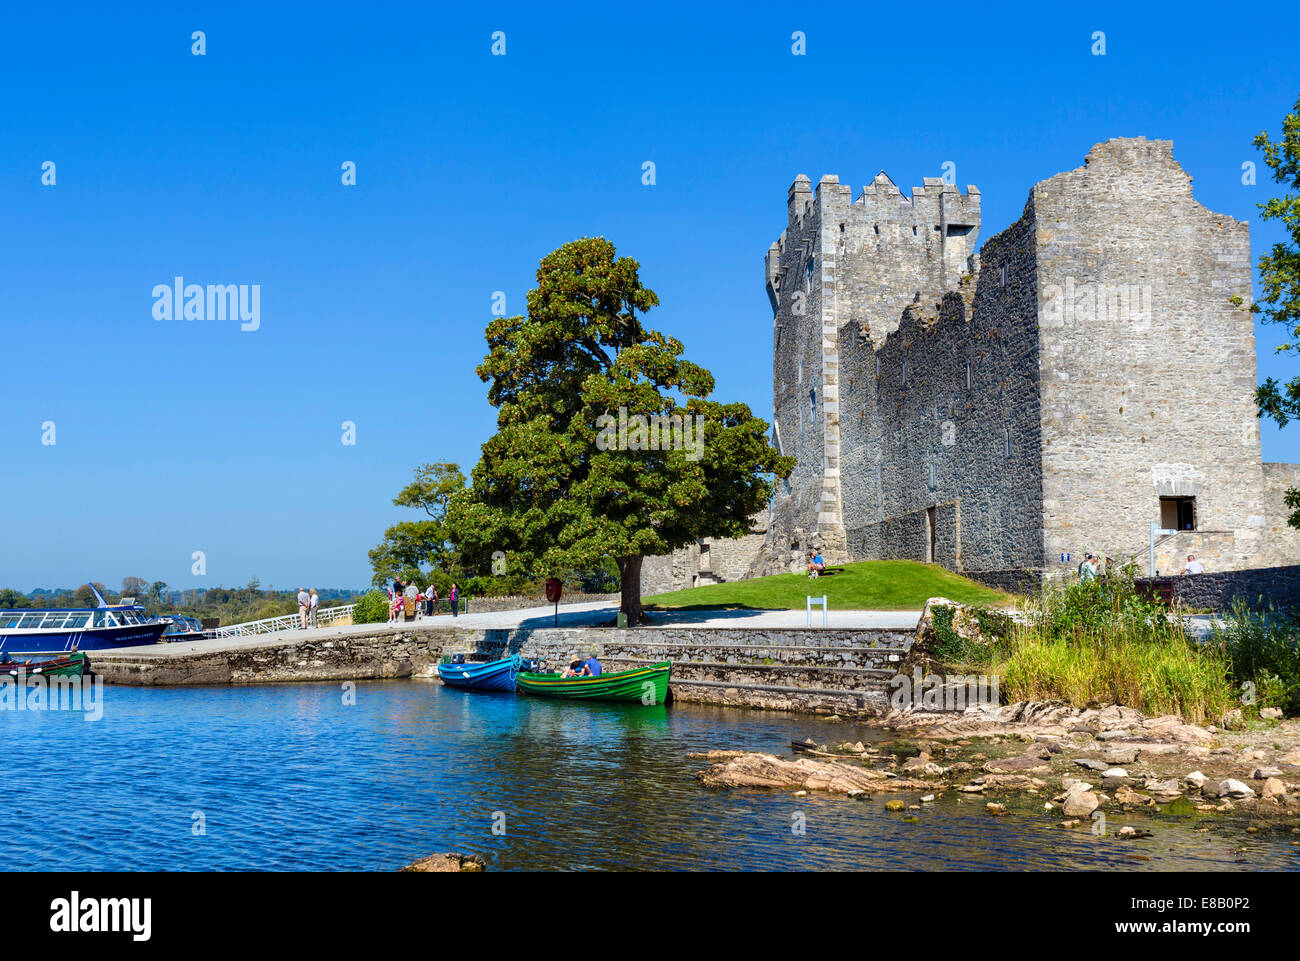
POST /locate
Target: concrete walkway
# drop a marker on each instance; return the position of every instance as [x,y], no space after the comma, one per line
[591,614]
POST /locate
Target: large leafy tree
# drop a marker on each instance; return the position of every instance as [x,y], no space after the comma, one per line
[1279,271]
[411,548]
[559,486]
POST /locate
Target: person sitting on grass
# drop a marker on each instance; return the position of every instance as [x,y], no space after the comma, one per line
[817,566]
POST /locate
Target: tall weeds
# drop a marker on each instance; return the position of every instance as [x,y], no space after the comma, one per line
[1103,642]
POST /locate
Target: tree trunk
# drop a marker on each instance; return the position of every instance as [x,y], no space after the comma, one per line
[629,570]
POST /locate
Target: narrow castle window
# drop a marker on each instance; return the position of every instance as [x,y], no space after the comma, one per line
[968,375]
[808,275]
[1002,275]
[812,405]
[913,230]
[1006,433]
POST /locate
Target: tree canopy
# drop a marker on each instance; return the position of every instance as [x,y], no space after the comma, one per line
[607,444]
[1279,271]
[416,549]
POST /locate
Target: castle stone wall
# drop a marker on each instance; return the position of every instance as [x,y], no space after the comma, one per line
[1147,368]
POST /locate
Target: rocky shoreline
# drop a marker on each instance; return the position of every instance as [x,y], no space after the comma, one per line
[1075,764]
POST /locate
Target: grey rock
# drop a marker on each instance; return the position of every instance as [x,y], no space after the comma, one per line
[1115,754]
[1230,788]
[1080,804]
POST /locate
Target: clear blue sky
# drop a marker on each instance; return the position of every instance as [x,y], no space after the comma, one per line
[178,436]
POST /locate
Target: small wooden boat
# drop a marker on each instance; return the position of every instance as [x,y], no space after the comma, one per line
[642,685]
[482,676]
[74,665]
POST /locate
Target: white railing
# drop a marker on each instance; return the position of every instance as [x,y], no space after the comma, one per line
[325,616]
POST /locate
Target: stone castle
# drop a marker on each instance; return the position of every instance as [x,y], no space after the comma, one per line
[1090,370]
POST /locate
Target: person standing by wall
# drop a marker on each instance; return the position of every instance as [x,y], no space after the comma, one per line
[313,605]
[454,597]
[304,599]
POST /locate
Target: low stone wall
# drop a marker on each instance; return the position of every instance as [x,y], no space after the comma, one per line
[1217,591]
[816,670]
[1015,581]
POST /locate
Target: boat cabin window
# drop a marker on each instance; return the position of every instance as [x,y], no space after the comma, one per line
[30,620]
[9,620]
[77,620]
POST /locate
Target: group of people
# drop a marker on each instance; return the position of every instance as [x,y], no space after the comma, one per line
[580,668]
[308,604]
[407,596]
[1093,567]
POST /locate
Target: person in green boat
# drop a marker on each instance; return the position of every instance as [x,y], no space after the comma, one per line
[592,666]
[575,669]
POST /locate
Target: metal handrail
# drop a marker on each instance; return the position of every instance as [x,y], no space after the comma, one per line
[284,622]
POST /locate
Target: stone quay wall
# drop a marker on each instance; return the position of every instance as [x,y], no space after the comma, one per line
[815,670]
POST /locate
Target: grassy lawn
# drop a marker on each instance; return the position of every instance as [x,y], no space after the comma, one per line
[869,585]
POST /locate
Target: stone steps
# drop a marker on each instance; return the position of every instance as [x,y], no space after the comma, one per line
[884,658]
[783,676]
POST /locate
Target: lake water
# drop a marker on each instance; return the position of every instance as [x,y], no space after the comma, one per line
[289,777]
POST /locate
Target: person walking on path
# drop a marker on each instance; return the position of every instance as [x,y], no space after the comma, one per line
[1193,565]
[429,595]
[313,606]
[454,597]
[304,599]
[1088,569]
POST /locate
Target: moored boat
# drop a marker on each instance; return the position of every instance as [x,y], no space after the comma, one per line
[496,675]
[63,630]
[642,685]
[180,627]
[74,665]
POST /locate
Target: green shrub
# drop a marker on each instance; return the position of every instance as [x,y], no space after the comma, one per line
[948,645]
[1262,644]
[371,609]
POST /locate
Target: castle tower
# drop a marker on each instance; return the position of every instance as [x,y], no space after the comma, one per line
[839,263]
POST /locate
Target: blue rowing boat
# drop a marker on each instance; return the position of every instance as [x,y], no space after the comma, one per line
[482,676]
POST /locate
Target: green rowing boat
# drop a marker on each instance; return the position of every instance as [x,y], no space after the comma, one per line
[642,685]
[74,665]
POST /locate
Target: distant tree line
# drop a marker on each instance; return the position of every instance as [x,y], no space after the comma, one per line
[231,605]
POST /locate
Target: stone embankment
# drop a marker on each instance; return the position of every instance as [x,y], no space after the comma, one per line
[815,670]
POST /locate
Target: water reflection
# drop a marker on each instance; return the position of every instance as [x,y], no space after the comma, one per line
[290,777]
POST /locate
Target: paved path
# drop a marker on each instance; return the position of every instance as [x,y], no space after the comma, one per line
[591,614]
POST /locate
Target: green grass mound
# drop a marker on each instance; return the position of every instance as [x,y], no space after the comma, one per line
[869,585]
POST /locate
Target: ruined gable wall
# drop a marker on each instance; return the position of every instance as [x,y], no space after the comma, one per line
[1135,402]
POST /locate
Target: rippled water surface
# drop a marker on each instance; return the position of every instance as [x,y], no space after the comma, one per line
[289,777]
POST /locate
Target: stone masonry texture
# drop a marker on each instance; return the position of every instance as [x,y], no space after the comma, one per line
[1050,395]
